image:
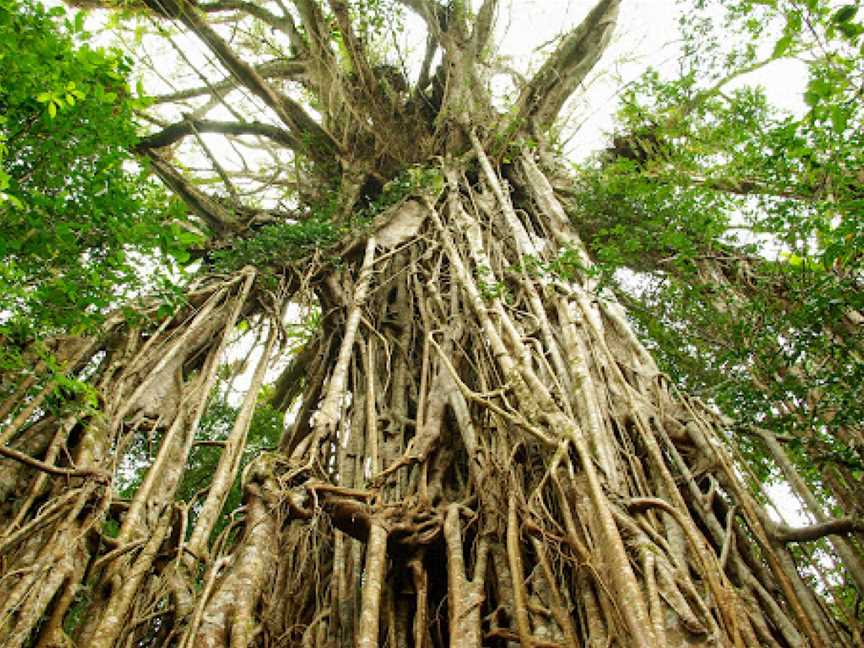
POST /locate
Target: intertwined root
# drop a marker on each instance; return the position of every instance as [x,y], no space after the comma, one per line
[484,454]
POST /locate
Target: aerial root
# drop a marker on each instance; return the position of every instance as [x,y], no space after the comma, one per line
[484,453]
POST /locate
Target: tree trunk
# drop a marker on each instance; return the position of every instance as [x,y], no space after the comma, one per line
[484,454]
[485,399]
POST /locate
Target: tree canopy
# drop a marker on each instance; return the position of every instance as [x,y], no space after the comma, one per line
[77,212]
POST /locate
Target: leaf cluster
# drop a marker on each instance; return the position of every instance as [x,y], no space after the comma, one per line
[732,228]
[80,223]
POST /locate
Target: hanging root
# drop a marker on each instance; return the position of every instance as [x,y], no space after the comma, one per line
[484,454]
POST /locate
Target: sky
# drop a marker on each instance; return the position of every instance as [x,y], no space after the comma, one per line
[646,36]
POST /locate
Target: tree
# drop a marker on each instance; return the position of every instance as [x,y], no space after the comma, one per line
[775,343]
[480,449]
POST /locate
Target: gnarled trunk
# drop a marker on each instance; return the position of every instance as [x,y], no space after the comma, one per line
[493,457]
[483,454]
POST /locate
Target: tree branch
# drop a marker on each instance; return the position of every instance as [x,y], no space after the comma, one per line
[739,186]
[744,187]
[178,131]
[317,142]
[383,104]
[354,47]
[544,96]
[483,26]
[426,9]
[424,77]
[27,460]
[211,212]
[842,526]
[323,66]
[433,14]
[283,23]
[267,70]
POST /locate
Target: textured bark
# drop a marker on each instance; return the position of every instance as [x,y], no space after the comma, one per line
[473,409]
[484,455]
[230,617]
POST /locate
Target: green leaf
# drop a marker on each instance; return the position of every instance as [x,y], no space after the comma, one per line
[70,200]
[839,119]
[17,204]
[794,22]
[818,89]
[850,30]
[782,46]
[844,14]
[832,253]
[181,255]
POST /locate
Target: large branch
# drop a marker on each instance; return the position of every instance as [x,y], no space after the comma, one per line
[323,65]
[178,131]
[355,48]
[383,106]
[424,77]
[51,469]
[544,96]
[636,151]
[317,142]
[283,23]
[842,526]
[210,211]
[317,28]
[741,186]
[433,14]
[426,9]
[483,26]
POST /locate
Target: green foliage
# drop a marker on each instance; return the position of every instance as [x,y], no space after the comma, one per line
[77,215]
[77,609]
[275,246]
[490,290]
[693,159]
[739,226]
[264,433]
[414,181]
[279,244]
[819,155]
[376,19]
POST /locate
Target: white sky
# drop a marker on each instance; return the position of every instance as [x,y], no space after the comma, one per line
[646,35]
